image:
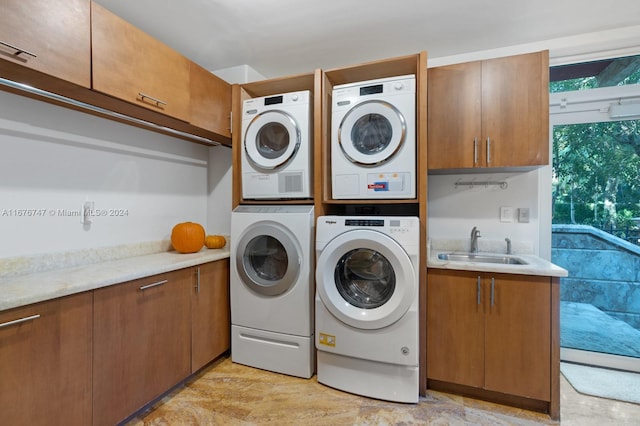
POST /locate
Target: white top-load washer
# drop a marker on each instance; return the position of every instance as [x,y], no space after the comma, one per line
[367,317]
[272,288]
[373,142]
[276,154]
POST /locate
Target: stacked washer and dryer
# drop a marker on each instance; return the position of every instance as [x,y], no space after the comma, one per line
[272,257]
[361,316]
[367,271]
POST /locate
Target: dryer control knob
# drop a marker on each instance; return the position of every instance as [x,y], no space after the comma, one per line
[294,98]
[399,85]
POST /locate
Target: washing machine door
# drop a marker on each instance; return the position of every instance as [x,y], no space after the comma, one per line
[372,132]
[272,139]
[268,258]
[365,279]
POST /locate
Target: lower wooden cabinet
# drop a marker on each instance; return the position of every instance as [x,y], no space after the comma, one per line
[45,363]
[210,313]
[142,341]
[490,331]
[99,356]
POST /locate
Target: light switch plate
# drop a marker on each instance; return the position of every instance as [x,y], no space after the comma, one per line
[506,214]
[523,215]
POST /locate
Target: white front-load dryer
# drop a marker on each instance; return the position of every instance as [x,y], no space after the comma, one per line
[276,154]
[272,288]
[373,139]
[367,305]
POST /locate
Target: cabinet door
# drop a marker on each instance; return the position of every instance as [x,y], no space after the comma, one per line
[52,37]
[131,65]
[454,116]
[515,110]
[210,333]
[210,101]
[518,341]
[45,363]
[142,342]
[455,328]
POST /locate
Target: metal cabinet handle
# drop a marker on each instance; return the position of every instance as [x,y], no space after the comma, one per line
[478,289]
[156,100]
[198,280]
[144,287]
[475,150]
[488,150]
[493,291]
[17,49]
[19,321]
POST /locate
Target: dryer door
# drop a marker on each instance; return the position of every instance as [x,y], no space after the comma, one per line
[272,139]
[372,132]
[268,258]
[365,279]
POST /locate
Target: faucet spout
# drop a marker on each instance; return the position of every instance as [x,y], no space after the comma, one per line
[475,234]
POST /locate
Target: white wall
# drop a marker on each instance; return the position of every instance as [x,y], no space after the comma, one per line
[238,75]
[453,211]
[53,159]
[219,183]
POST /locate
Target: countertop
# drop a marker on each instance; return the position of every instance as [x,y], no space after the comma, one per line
[36,287]
[535,264]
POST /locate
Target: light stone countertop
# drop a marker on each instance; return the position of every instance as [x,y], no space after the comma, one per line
[36,287]
[535,265]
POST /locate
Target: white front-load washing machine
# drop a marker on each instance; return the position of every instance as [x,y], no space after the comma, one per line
[272,288]
[373,139]
[276,154]
[367,305]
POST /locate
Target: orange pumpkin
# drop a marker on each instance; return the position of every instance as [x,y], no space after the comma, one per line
[187,237]
[215,241]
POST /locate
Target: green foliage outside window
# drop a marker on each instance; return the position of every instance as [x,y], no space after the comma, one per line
[596,174]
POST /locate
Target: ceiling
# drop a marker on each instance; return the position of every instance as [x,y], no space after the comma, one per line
[286,37]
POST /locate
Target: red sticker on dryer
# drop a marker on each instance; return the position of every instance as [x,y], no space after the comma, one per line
[379,186]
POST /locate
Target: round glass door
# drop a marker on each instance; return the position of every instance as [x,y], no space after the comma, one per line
[371,133]
[272,140]
[268,259]
[365,279]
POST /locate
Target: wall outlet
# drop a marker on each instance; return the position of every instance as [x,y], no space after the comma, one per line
[506,214]
[87,211]
[523,215]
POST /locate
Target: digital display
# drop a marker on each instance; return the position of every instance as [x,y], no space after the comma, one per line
[364,222]
[273,100]
[370,90]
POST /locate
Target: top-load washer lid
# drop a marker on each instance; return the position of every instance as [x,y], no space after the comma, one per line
[372,132]
[272,139]
[365,279]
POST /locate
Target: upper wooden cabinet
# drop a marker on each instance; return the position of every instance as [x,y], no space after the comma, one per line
[210,101]
[52,37]
[133,66]
[492,113]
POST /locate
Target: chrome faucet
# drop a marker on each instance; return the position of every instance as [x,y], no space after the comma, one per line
[475,234]
[508,245]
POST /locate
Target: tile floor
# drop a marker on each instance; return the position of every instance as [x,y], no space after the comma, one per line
[231,394]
